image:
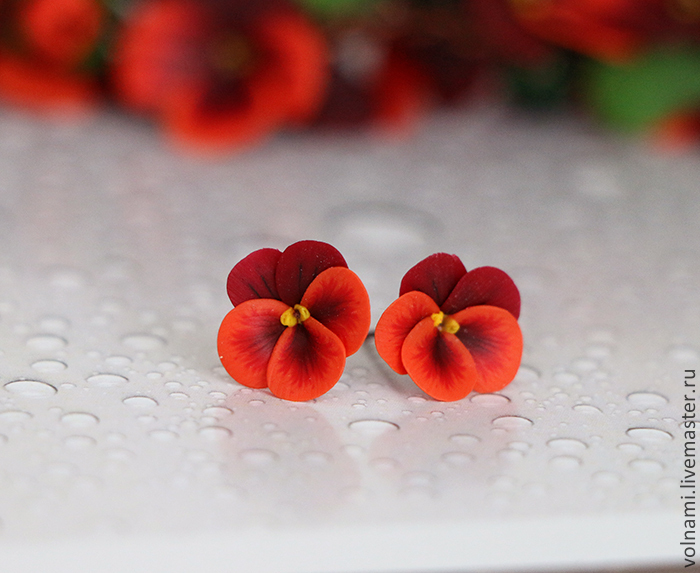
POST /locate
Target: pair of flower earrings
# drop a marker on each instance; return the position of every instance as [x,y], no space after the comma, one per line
[299,313]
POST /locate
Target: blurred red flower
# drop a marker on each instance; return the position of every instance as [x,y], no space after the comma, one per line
[217,74]
[44,49]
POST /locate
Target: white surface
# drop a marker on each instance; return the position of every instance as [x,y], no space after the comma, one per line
[125,446]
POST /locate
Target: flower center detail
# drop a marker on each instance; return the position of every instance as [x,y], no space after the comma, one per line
[292,316]
[444,323]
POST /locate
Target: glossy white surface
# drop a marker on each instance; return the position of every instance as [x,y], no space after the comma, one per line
[125,446]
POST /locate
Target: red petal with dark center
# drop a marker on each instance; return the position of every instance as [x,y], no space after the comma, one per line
[438,362]
[254,277]
[396,322]
[485,285]
[300,264]
[338,300]
[307,361]
[435,275]
[247,337]
[493,338]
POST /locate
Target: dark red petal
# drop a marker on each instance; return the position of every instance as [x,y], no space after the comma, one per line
[247,337]
[485,285]
[300,264]
[307,361]
[397,321]
[493,338]
[438,362]
[338,300]
[435,275]
[254,277]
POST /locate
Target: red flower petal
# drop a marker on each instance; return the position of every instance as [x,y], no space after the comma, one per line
[493,338]
[397,321]
[484,285]
[254,277]
[247,338]
[300,264]
[300,50]
[435,275]
[306,362]
[338,300]
[438,362]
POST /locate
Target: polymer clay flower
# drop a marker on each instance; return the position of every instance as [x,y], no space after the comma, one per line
[453,331]
[298,314]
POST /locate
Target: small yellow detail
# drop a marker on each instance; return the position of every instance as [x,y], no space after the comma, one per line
[445,323]
[292,316]
[437,318]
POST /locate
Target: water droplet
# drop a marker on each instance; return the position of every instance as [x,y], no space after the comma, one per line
[630,448]
[217,411]
[258,456]
[79,442]
[456,458]
[465,439]
[570,445]
[12,416]
[107,380]
[512,422]
[566,378]
[419,478]
[372,427]
[316,458]
[49,366]
[584,365]
[384,465]
[646,465]
[179,396]
[30,388]
[143,341]
[527,374]
[79,419]
[683,353]
[46,342]
[649,434]
[647,399]
[510,455]
[587,409]
[606,479]
[256,402]
[565,463]
[141,402]
[163,435]
[119,361]
[490,400]
[215,433]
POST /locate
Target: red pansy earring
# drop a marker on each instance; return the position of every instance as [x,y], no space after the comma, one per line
[298,314]
[453,331]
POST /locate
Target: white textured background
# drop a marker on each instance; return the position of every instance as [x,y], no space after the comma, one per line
[124,446]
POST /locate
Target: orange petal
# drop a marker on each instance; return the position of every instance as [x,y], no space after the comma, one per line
[306,362]
[397,321]
[493,338]
[338,300]
[247,337]
[438,362]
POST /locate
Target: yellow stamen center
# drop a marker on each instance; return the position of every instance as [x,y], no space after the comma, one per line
[292,316]
[445,323]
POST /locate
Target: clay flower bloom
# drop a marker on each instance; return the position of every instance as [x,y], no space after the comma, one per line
[298,314]
[451,330]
